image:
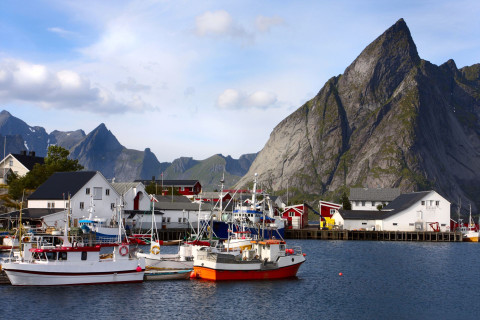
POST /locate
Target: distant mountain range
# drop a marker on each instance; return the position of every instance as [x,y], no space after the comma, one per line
[391,119]
[100,150]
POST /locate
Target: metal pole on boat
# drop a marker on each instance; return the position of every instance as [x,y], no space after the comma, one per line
[66,242]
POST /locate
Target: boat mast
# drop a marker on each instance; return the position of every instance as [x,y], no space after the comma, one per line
[66,242]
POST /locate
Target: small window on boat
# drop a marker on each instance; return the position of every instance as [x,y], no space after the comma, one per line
[395,224]
[282,247]
[364,223]
[51,255]
[62,256]
[84,255]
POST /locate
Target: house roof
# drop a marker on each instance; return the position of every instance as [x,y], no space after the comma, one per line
[170,199]
[169,183]
[122,187]
[363,214]
[28,161]
[374,194]
[406,200]
[60,184]
[211,195]
[402,202]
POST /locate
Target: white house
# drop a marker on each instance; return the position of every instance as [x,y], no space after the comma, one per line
[84,188]
[417,211]
[370,198]
[134,195]
[20,164]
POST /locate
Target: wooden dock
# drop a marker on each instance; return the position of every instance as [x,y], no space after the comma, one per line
[426,236]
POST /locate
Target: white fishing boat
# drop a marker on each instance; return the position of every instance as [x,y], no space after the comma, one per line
[154,259]
[70,263]
[268,259]
[470,233]
[104,232]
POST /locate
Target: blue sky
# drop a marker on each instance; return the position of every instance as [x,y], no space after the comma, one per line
[196,78]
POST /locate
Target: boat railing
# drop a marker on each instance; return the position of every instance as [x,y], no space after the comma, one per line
[293,250]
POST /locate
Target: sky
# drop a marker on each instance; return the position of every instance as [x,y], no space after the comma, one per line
[198,78]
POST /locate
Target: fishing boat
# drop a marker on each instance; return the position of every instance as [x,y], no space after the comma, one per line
[470,233]
[154,259]
[71,263]
[267,259]
[104,232]
[167,274]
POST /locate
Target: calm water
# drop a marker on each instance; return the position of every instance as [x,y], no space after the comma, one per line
[381,280]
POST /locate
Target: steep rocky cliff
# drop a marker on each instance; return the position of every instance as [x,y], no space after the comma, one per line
[390,120]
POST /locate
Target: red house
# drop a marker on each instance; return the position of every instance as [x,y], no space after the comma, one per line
[297,215]
[327,209]
[184,187]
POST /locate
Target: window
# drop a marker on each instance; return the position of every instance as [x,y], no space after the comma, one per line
[107,192]
[179,220]
[423,203]
[112,205]
[443,224]
[183,188]
[97,193]
[51,255]
[332,211]
[10,163]
[84,255]
[82,205]
[364,223]
[291,214]
[87,191]
[411,224]
[51,205]
[168,219]
[437,203]
[62,256]
[395,224]
[164,219]
[363,203]
[373,203]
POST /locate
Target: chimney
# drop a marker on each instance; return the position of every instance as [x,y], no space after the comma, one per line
[31,153]
[23,152]
[153,178]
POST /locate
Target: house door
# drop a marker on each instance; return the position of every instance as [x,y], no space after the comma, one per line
[136,201]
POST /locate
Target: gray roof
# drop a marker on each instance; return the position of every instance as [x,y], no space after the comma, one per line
[374,194]
[174,198]
[363,214]
[406,200]
[402,202]
[122,187]
[189,206]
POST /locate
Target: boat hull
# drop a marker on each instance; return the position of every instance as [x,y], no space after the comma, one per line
[242,274]
[156,275]
[165,261]
[470,239]
[27,274]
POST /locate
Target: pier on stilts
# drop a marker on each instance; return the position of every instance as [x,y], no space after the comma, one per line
[427,236]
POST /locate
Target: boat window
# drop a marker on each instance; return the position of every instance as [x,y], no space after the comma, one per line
[84,255]
[37,256]
[282,247]
[51,255]
[62,256]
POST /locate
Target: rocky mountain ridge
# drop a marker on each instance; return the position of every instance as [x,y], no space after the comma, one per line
[100,150]
[391,119]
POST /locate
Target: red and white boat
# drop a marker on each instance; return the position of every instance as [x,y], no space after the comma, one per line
[72,265]
[268,259]
[56,263]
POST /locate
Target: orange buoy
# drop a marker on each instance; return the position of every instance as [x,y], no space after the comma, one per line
[340,274]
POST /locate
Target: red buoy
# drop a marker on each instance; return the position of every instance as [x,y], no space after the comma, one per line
[340,274]
[139,269]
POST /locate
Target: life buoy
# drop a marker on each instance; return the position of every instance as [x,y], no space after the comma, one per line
[26,239]
[123,250]
[155,250]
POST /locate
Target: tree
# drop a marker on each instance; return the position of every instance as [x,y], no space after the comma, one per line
[55,161]
[346,202]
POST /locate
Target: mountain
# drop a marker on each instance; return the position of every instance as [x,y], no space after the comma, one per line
[100,150]
[391,119]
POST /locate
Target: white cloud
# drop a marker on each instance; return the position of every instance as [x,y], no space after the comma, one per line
[65,89]
[219,23]
[61,32]
[264,24]
[131,85]
[234,99]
